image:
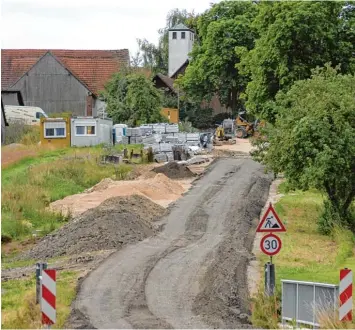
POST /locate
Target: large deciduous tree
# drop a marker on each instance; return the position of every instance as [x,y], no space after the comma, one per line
[133,99]
[313,141]
[212,69]
[294,38]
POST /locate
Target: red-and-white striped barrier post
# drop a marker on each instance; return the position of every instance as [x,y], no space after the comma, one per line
[346,295]
[48,296]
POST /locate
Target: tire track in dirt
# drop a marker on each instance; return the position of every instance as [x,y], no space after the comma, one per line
[155,283]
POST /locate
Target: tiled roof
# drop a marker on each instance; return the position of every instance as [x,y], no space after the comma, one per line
[169,82]
[92,67]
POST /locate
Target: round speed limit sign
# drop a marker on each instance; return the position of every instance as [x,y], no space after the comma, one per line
[271,244]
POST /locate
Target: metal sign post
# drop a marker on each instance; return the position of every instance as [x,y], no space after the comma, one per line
[40,266]
[270,245]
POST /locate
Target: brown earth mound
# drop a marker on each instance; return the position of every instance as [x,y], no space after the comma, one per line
[174,170]
[114,223]
[159,189]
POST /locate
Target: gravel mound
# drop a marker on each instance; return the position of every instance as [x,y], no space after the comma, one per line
[174,170]
[116,222]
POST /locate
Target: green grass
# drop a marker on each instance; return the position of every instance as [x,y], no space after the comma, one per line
[18,308]
[306,255]
[30,185]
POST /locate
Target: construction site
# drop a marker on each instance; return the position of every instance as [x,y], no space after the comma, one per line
[128,235]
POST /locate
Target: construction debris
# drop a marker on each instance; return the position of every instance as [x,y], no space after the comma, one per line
[173,170]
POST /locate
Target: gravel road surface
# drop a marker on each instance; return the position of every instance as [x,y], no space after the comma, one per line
[193,273]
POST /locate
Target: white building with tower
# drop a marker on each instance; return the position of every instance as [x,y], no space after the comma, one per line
[181,40]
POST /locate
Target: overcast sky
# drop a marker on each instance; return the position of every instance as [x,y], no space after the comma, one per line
[86,24]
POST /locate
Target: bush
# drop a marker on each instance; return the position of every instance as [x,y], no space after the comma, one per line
[266,310]
[18,132]
[32,136]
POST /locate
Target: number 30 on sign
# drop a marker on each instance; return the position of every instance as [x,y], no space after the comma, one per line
[271,244]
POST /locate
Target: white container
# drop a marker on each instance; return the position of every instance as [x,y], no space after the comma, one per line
[120,129]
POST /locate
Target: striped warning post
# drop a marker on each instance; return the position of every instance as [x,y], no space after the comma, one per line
[48,296]
[346,295]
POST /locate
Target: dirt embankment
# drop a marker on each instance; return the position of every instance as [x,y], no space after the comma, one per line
[115,223]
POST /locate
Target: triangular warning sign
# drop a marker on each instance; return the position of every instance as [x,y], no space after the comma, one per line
[270,222]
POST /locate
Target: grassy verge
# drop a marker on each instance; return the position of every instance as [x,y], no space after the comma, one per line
[306,255]
[30,185]
[18,308]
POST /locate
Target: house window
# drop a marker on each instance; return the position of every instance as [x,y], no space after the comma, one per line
[174,35]
[54,130]
[182,35]
[60,131]
[49,132]
[85,130]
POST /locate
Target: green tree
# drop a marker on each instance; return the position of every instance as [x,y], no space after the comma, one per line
[313,141]
[295,37]
[132,98]
[212,67]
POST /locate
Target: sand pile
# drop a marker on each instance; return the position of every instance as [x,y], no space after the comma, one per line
[174,170]
[159,189]
[115,223]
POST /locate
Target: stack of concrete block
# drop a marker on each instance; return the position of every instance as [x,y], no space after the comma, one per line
[173,128]
[172,139]
[192,139]
[146,130]
[135,139]
[123,140]
[166,147]
[169,156]
[160,158]
[150,139]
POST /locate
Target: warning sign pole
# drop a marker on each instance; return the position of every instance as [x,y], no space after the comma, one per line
[270,245]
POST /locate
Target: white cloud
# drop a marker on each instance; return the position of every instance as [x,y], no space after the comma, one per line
[86,24]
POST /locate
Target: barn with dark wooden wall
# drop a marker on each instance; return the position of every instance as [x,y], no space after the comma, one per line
[61,80]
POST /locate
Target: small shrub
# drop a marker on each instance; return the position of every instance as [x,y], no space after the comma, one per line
[266,310]
[32,136]
[17,130]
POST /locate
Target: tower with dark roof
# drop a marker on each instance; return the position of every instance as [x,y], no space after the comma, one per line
[181,40]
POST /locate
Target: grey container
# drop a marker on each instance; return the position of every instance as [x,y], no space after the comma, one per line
[90,131]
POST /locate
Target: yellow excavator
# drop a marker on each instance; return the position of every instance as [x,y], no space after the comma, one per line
[245,128]
[239,128]
[225,131]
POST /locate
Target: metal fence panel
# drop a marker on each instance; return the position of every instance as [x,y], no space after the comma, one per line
[304,301]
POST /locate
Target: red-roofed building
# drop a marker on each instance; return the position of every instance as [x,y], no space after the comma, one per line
[61,80]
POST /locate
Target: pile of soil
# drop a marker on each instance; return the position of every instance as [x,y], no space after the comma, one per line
[159,189]
[113,224]
[174,170]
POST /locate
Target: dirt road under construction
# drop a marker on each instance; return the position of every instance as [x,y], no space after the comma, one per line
[193,273]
